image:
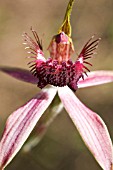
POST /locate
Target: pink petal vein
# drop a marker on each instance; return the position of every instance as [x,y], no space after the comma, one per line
[90,126]
[96,78]
[20,124]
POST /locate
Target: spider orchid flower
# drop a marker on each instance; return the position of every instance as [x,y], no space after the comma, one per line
[64,77]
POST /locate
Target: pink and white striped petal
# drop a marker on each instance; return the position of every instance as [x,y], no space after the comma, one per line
[20,74]
[96,78]
[90,126]
[20,124]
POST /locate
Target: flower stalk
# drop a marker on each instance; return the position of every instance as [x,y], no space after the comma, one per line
[66,26]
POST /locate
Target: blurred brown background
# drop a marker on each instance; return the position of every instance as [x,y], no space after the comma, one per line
[62,147]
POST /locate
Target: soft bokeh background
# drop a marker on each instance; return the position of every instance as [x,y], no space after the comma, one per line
[62,147]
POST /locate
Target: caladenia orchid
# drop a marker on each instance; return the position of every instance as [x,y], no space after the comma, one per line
[64,77]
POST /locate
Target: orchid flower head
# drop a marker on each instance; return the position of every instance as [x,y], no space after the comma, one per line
[59,69]
[64,77]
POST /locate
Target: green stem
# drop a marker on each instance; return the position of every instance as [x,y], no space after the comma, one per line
[66,26]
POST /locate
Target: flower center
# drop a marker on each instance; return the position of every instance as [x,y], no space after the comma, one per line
[51,72]
[59,70]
